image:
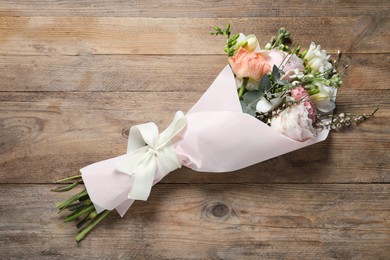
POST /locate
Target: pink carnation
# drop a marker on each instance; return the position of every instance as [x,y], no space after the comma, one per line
[299,93]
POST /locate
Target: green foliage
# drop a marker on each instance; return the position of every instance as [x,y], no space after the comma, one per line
[281,42]
[230,41]
[265,84]
[275,73]
[247,109]
[251,97]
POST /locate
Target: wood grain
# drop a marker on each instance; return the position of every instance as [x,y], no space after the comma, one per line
[157,73]
[48,135]
[75,75]
[102,35]
[195,8]
[239,221]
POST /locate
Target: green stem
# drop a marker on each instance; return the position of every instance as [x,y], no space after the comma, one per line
[242,89]
[66,188]
[86,230]
[80,213]
[69,178]
[82,222]
[241,44]
[373,113]
[90,216]
[77,206]
[65,203]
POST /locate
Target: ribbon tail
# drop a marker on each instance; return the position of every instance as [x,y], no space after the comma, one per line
[143,179]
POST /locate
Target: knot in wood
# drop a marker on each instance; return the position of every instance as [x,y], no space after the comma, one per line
[220,210]
[125,132]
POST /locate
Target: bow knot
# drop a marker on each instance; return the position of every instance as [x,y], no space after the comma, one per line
[149,152]
[153,152]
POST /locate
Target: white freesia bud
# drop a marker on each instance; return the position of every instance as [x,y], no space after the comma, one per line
[324,100]
[249,42]
[252,43]
[263,106]
[317,59]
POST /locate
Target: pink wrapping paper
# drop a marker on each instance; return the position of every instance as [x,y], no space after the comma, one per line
[219,137]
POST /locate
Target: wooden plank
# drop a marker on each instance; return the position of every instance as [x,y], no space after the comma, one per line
[101,35]
[152,72]
[48,135]
[182,8]
[208,222]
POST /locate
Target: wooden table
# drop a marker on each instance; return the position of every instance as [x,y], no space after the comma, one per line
[74,75]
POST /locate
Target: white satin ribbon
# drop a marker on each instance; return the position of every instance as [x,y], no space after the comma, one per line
[149,151]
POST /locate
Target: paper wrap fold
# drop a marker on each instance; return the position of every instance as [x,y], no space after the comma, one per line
[218,137]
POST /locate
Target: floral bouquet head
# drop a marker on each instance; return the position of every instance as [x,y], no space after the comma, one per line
[293,92]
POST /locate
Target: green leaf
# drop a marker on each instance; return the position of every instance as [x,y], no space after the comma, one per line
[251,96]
[275,73]
[235,37]
[283,82]
[265,84]
[227,30]
[246,109]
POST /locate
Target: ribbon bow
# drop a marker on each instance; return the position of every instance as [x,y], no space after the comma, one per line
[149,151]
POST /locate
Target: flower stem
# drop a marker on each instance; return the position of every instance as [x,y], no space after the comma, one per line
[80,213]
[84,203]
[65,203]
[242,89]
[67,188]
[86,230]
[69,178]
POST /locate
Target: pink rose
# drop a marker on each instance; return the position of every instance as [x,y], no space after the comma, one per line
[299,93]
[295,123]
[287,62]
[248,64]
[292,63]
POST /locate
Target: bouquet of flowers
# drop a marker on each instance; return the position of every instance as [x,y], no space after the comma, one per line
[265,103]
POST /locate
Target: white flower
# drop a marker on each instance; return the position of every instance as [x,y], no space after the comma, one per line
[264,106]
[249,42]
[317,59]
[295,123]
[324,100]
[297,74]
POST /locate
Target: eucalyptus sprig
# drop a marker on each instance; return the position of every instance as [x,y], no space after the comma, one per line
[270,84]
[231,42]
[80,206]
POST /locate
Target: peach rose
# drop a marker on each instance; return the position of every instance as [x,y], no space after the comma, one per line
[248,64]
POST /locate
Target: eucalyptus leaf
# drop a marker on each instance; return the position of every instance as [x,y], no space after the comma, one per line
[251,96]
[275,73]
[265,84]
[283,82]
[246,109]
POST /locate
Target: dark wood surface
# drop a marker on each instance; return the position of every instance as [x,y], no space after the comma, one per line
[75,75]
